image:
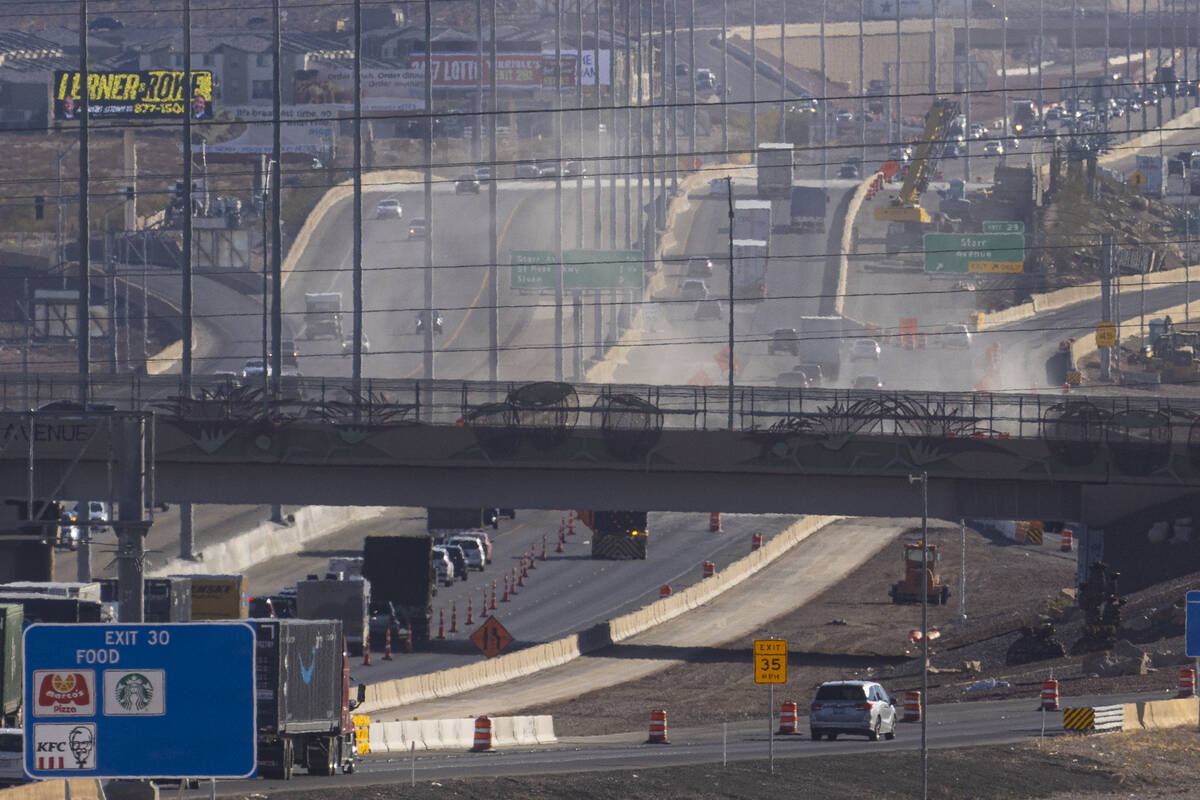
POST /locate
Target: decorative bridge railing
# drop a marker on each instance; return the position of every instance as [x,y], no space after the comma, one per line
[635,411]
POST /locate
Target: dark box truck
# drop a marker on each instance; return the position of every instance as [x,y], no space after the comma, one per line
[165,599]
[12,619]
[401,572]
[335,597]
[302,680]
[55,608]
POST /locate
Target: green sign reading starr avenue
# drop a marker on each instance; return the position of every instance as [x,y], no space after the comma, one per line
[954,253]
[582,269]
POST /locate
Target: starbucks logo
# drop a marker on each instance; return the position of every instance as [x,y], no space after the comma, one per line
[134,692]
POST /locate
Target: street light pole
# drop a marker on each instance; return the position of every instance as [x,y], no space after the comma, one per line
[923,479]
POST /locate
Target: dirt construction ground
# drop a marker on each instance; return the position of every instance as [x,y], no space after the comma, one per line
[1148,766]
[854,630]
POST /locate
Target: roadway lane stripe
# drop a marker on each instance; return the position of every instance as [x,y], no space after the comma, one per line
[420,367]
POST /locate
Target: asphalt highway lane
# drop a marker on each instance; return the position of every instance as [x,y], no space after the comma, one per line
[950,725]
[567,593]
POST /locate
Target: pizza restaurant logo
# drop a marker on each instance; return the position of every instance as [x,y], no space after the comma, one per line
[64,693]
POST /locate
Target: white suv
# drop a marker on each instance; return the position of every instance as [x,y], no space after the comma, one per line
[861,708]
[444,566]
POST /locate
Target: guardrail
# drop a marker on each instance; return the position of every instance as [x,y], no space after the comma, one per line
[636,408]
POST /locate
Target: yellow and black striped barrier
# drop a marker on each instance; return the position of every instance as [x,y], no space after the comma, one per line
[1094,719]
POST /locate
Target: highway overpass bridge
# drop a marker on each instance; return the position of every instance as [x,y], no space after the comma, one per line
[1093,458]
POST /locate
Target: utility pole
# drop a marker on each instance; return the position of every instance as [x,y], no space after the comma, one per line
[612,150]
[692,61]
[753,82]
[1041,55]
[967,90]
[430,314]
[493,230]
[356,274]
[83,311]
[130,526]
[558,198]
[185,292]
[1004,79]
[862,84]
[923,479]
[598,199]
[781,135]
[674,162]
[477,127]
[824,99]
[276,364]
[725,79]
[1129,69]
[897,89]
[579,119]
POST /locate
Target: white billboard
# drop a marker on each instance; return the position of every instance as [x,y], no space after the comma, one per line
[305,129]
[382,89]
[588,66]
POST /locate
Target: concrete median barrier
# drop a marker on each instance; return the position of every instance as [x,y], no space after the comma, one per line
[269,540]
[1158,714]
[1061,298]
[402,736]
[456,680]
[847,240]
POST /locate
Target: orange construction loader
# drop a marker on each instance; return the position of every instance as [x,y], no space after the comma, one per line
[909,589]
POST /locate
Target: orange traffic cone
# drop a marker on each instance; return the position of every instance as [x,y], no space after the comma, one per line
[559,547]
[470,617]
[408,645]
[441,623]
[493,606]
[454,617]
[387,644]
[543,548]
[483,605]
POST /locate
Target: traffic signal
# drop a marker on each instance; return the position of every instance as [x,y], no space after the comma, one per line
[39,207]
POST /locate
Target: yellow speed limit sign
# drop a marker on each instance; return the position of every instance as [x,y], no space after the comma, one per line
[1106,334]
[770,661]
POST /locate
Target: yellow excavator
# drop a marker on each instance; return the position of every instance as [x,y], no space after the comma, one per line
[906,206]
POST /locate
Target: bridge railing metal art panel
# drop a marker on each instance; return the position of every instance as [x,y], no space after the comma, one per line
[832,431]
[549,405]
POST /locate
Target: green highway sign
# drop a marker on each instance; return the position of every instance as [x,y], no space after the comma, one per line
[955,253]
[582,269]
[1003,227]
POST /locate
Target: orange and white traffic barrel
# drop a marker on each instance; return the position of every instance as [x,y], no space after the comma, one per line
[483,734]
[756,541]
[714,522]
[658,727]
[912,706]
[789,718]
[1068,540]
[664,591]
[1049,695]
[1187,682]
[709,570]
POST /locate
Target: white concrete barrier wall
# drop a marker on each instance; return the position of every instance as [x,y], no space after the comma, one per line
[402,736]
[856,202]
[269,540]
